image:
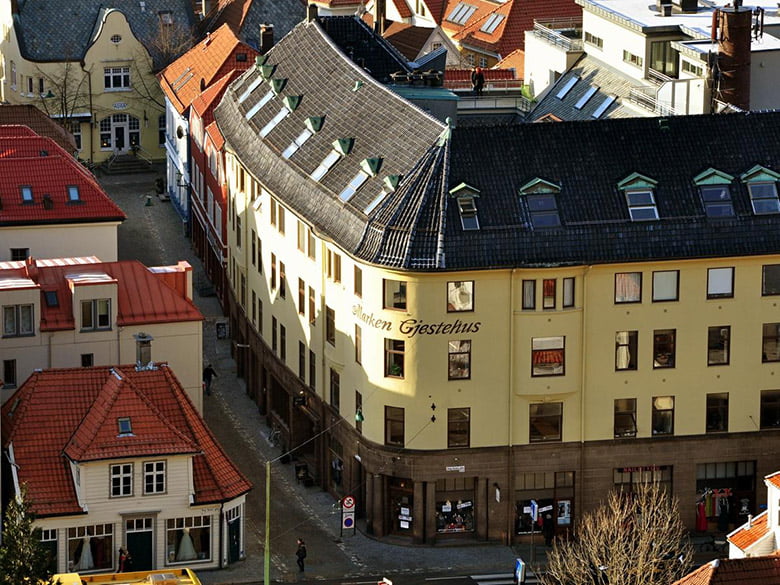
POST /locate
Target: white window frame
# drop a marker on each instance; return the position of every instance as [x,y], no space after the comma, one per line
[763,197]
[13,322]
[356,183]
[98,308]
[327,163]
[114,74]
[155,481]
[121,480]
[720,282]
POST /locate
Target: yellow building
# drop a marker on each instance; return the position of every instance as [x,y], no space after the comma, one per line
[92,68]
[465,326]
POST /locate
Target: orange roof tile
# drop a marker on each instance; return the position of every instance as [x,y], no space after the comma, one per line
[85,403]
[216,136]
[515,61]
[212,58]
[204,104]
[746,571]
[436,9]
[403,8]
[746,536]
[773,479]
[40,123]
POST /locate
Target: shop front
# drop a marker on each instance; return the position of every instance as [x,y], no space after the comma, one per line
[455,510]
[725,494]
[548,496]
[400,506]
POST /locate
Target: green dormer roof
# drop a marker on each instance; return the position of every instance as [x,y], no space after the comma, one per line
[637,181]
[712,177]
[314,123]
[538,185]
[344,145]
[371,165]
[292,101]
[278,85]
[759,174]
[464,190]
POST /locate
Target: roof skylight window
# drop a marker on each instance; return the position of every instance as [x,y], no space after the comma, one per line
[73,193]
[51,298]
[639,193]
[252,87]
[390,184]
[542,203]
[586,96]
[256,108]
[491,23]
[297,143]
[461,13]
[567,87]
[327,163]
[125,425]
[355,184]
[466,195]
[273,122]
[715,191]
[604,105]
[27,194]
[762,186]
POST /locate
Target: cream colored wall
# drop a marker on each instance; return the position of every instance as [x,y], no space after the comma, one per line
[62,240]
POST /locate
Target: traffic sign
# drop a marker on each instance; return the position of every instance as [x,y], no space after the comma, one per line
[348,520]
[348,502]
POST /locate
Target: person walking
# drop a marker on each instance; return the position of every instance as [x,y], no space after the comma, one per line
[477,80]
[209,374]
[301,553]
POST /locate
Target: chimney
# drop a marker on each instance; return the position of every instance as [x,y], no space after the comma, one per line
[734,38]
[31,267]
[379,16]
[266,37]
[311,12]
[143,349]
[750,520]
[47,202]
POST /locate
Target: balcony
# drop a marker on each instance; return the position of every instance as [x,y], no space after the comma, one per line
[564,33]
[646,96]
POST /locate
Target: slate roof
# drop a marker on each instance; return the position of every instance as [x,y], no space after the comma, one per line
[67,37]
[586,159]
[85,403]
[144,295]
[245,17]
[590,72]
[746,571]
[212,58]
[30,116]
[27,159]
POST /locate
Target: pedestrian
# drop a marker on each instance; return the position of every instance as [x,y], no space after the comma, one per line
[208,374]
[301,553]
[548,529]
[477,80]
[124,560]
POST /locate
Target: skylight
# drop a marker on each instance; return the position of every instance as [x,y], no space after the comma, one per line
[584,99]
[461,13]
[391,182]
[604,105]
[763,198]
[281,115]
[491,23]
[27,195]
[51,298]
[73,193]
[125,426]
[567,87]
[641,204]
[544,210]
[327,163]
[297,143]
[468,213]
[252,87]
[256,108]
[355,184]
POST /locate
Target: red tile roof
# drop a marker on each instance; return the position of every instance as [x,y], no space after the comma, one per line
[40,123]
[436,9]
[27,159]
[204,104]
[83,405]
[403,8]
[746,571]
[209,60]
[143,295]
[745,536]
[773,479]
[408,39]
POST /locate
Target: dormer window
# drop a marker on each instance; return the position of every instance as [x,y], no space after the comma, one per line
[27,194]
[341,147]
[540,197]
[762,186]
[465,196]
[639,192]
[95,314]
[715,191]
[369,168]
[166,17]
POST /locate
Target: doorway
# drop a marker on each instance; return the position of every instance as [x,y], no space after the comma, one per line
[120,133]
[140,544]
[401,500]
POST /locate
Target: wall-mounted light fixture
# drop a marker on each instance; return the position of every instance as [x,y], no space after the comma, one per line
[359,415]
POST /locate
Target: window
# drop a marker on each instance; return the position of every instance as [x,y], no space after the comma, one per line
[718,412]
[358,411]
[327,163]
[302,361]
[301,297]
[546,422]
[458,427]
[91,547]
[273,271]
[720,283]
[626,350]
[582,102]
[51,298]
[641,204]
[335,389]
[568,292]
[353,186]
[625,417]
[718,340]
[394,358]
[261,102]
[188,539]
[394,426]
[663,58]
[663,415]
[468,213]
[628,287]
[461,13]
[161,131]
[122,480]
[666,285]
[394,294]
[301,236]
[274,122]
[529,295]
[358,282]
[274,333]
[18,320]
[116,39]
[548,293]
[491,23]
[9,374]
[312,370]
[770,280]
[260,316]
[259,254]
[297,143]
[333,266]
[280,220]
[95,314]
[460,296]
[27,194]
[49,540]
[632,59]
[572,81]
[770,409]
[330,325]
[87,360]
[282,343]
[19,254]
[717,200]
[592,39]
[770,347]
[694,70]
[73,193]
[543,209]
[664,348]
[154,477]
[459,360]
[282,281]
[125,426]
[547,356]
[312,307]
[358,344]
[763,198]
[116,78]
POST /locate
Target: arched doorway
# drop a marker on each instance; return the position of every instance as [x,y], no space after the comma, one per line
[119,133]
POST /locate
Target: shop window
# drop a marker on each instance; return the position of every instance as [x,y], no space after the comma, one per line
[335,390]
[663,415]
[568,292]
[626,479]
[625,417]
[548,293]
[188,539]
[459,360]
[460,296]
[394,294]
[718,345]
[547,356]
[770,281]
[718,412]
[626,343]
[770,409]
[91,548]
[454,516]
[664,346]
[666,285]
[553,493]
[330,326]
[394,426]
[770,345]
[529,295]
[725,492]
[394,358]
[628,287]
[458,427]
[720,283]
[546,422]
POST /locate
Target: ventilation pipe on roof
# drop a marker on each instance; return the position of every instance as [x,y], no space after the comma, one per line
[31,267]
[266,37]
[47,202]
[379,16]
[311,12]
[143,350]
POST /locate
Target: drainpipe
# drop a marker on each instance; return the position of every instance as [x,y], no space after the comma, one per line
[91,115]
[583,385]
[222,529]
[510,412]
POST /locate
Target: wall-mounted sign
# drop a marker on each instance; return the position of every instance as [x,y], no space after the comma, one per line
[458,468]
[120,105]
[412,327]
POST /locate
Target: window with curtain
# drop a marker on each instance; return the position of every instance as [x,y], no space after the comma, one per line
[626,343]
[548,356]
[628,287]
[188,539]
[568,292]
[460,296]
[459,360]
[666,285]
[720,283]
[548,293]
[529,295]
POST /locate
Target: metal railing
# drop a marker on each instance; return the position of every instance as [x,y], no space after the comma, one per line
[492,85]
[657,77]
[142,154]
[566,34]
[645,97]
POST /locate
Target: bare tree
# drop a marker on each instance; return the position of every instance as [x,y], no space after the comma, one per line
[171,41]
[633,538]
[67,92]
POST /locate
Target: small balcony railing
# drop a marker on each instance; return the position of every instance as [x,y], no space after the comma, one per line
[566,34]
[645,97]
